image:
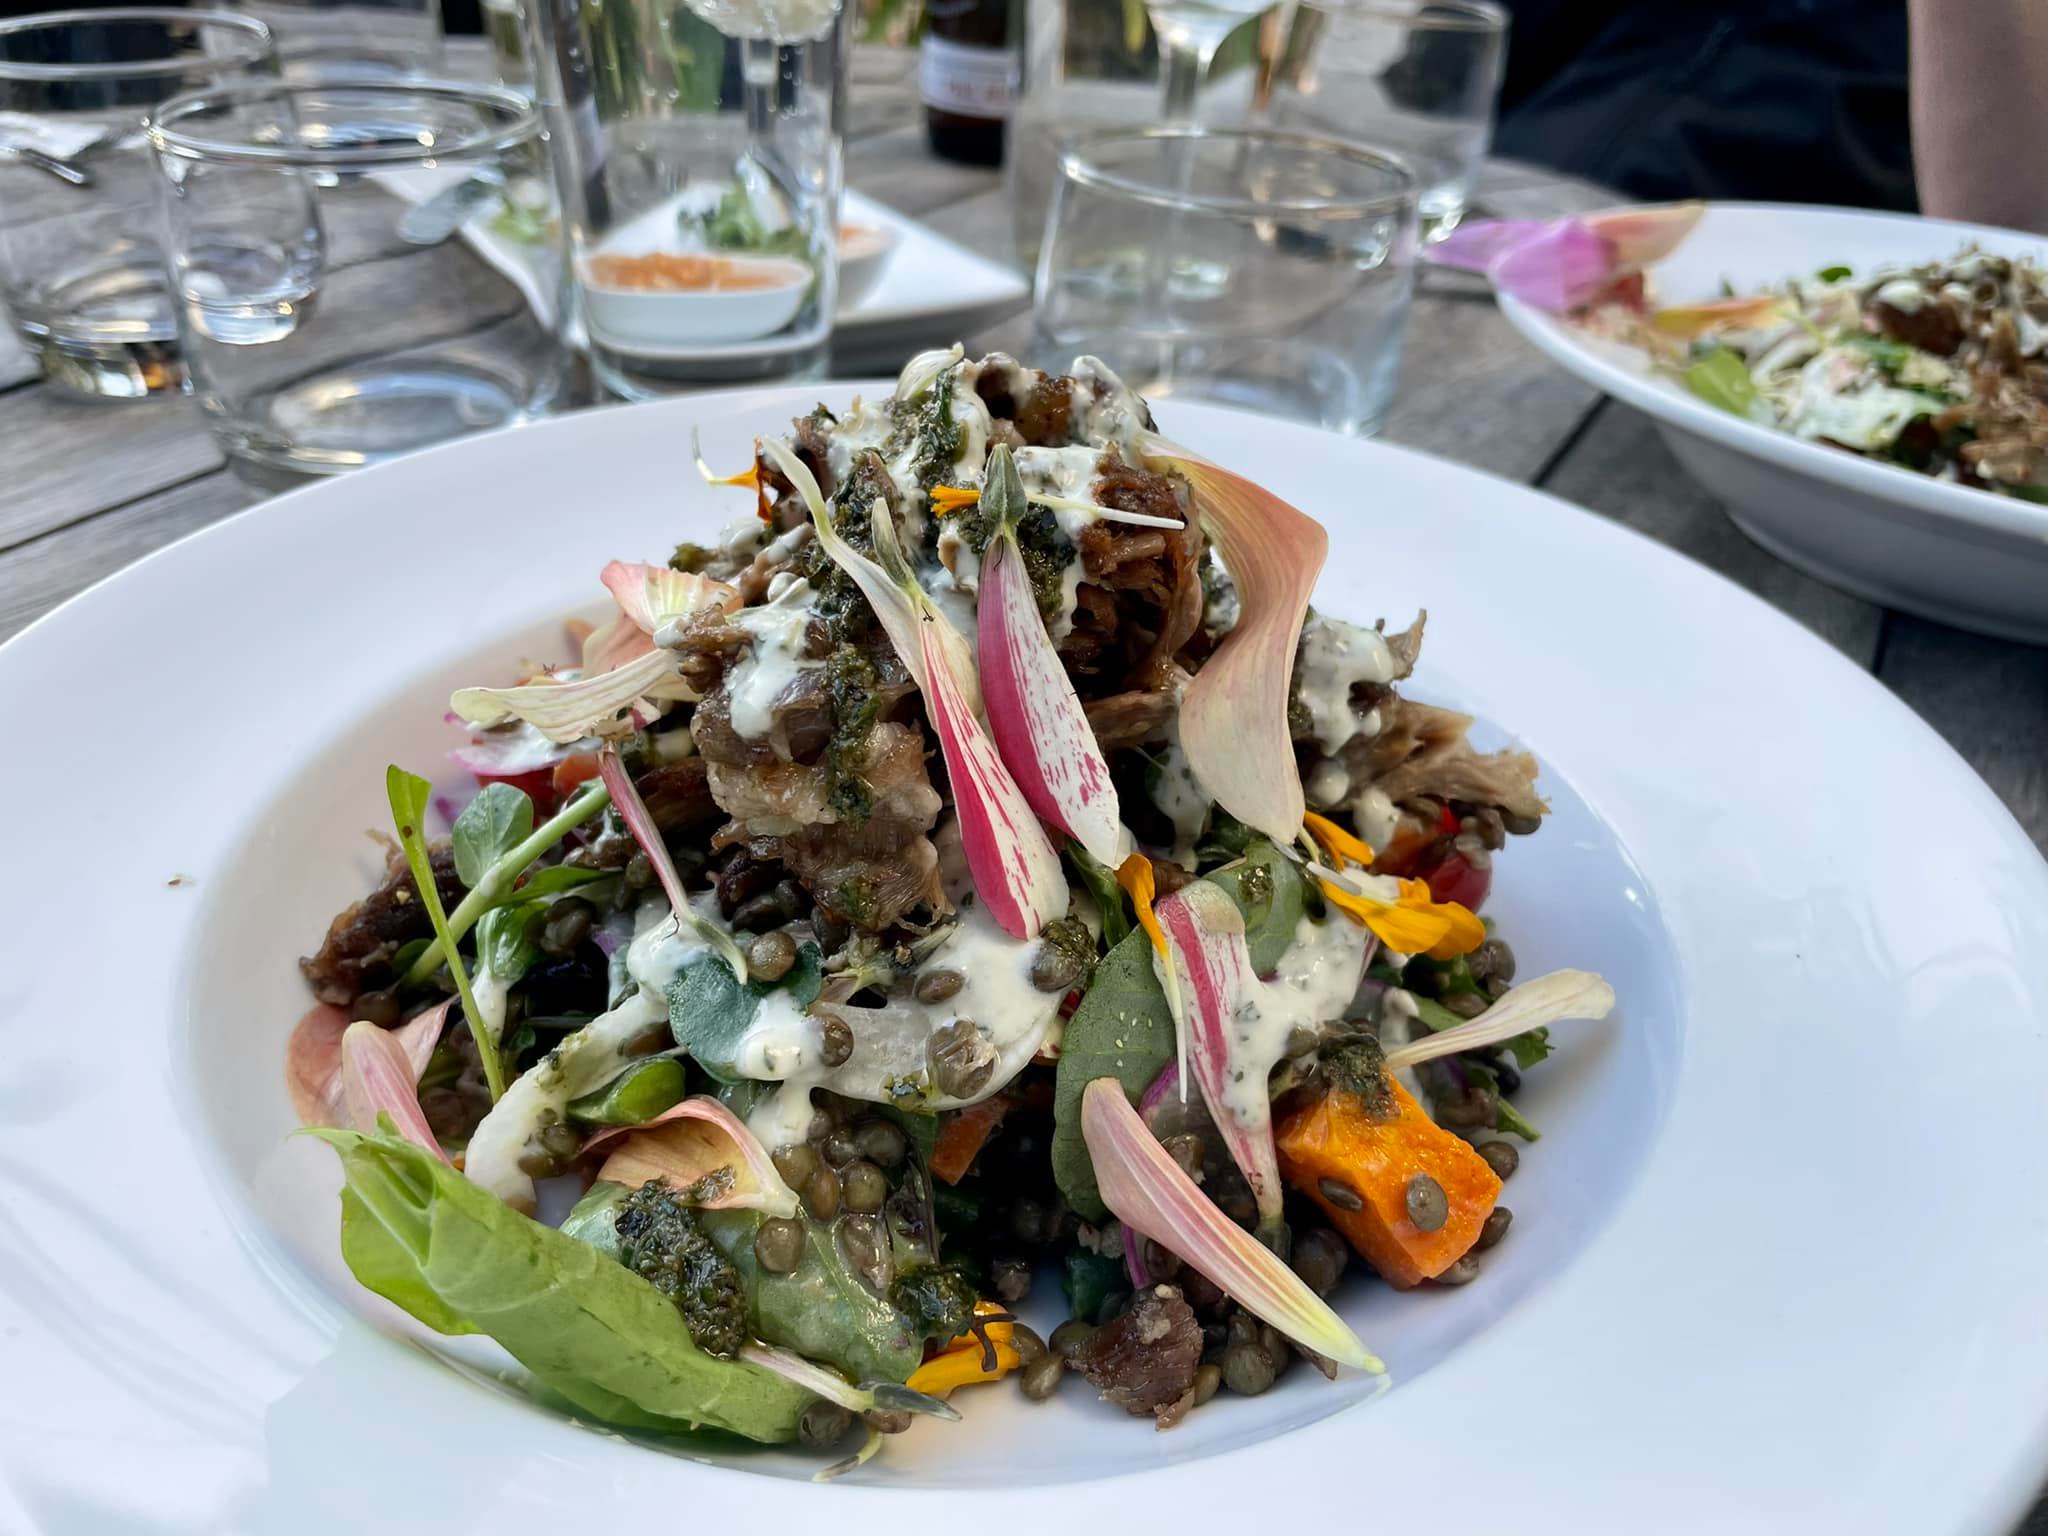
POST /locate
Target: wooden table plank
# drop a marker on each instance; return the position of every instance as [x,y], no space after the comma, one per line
[70,458]
[1989,700]
[35,577]
[1620,468]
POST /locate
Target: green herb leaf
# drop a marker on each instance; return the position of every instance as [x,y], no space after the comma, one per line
[1508,1118]
[502,945]
[557,878]
[409,794]
[498,820]
[1090,1283]
[709,1009]
[461,1261]
[1530,1047]
[822,1309]
[644,1092]
[1099,880]
[1832,274]
[1123,1028]
[1721,378]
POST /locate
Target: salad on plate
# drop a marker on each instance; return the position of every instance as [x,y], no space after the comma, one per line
[978,875]
[1939,367]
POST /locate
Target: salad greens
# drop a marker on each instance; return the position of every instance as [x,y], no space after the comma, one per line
[1124,1029]
[409,794]
[838,1045]
[1722,379]
[709,1008]
[419,1234]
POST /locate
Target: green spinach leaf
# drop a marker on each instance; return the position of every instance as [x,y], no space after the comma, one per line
[1099,880]
[822,1309]
[1123,1028]
[590,1330]
[498,820]
[1722,379]
[709,1010]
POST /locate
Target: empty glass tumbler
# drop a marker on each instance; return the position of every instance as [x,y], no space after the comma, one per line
[81,253]
[697,151]
[361,268]
[1253,268]
[322,39]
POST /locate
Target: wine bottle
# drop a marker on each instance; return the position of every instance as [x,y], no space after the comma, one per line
[966,75]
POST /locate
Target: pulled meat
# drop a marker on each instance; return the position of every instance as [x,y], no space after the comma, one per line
[356,955]
[1421,753]
[1144,1360]
[869,870]
[1133,719]
[1140,598]
[679,798]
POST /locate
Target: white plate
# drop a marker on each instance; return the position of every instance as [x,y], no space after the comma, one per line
[1950,552]
[908,289]
[1778,1261]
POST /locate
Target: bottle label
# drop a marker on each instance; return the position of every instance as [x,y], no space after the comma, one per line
[963,78]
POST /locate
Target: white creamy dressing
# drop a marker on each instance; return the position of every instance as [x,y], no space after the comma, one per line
[1105,407]
[1903,294]
[1327,784]
[1375,816]
[1315,981]
[1869,418]
[758,680]
[1396,1022]
[1333,656]
[1180,797]
[786,1046]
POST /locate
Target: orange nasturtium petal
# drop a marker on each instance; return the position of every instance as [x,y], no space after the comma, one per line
[948,499]
[1135,876]
[963,1361]
[1337,842]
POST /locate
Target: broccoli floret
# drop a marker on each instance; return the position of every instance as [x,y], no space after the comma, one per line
[661,1242]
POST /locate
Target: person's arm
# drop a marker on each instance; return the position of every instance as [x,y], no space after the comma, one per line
[1979,82]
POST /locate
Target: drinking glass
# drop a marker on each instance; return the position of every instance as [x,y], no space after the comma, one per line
[81,256]
[1190,32]
[1248,267]
[328,39]
[362,267]
[1417,77]
[1089,65]
[697,150]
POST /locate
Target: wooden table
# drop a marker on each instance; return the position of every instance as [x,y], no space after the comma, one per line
[89,487]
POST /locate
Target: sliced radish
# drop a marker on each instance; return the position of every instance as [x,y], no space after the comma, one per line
[1033,712]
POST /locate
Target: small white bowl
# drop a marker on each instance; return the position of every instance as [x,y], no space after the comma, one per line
[636,317]
[864,251]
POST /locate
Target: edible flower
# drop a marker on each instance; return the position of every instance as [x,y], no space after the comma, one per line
[1149,1192]
[1689,322]
[1233,716]
[1559,265]
[988,1355]
[1213,965]
[1136,877]
[1400,912]
[1533,1004]
[640,823]
[631,665]
[1037,720]
[378,1084]
[750,477]
[701,1145]
[1015,868]
[948,499]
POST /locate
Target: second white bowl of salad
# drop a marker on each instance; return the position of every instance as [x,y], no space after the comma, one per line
[1862,390]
